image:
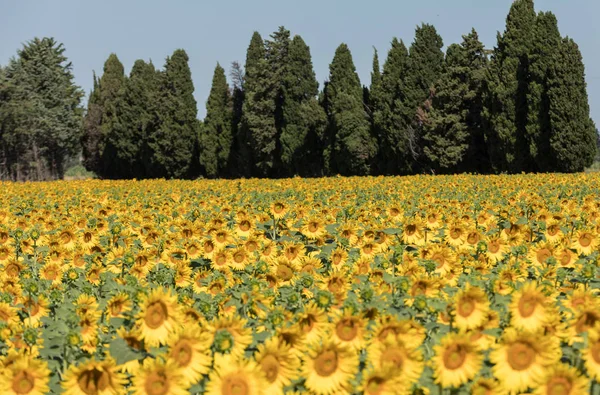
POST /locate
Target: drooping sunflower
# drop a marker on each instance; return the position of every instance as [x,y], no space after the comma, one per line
[158,317]
[158,377]
[472,306]
[485,386]
[457,360]
[23,375]
[278,363]
[189,348]
[94,377]
[236,376]
[522,358]
[329,367]
[382,382]
[529,308]
[312,321]
[35,310]
[563,379]
[118,305]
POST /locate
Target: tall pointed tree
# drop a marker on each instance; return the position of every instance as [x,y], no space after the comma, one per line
[216,132]
[137,122]
[258,119]
[453,134]
[392,114]
[112,85]
[91,139]
[572,132]
[546,43]
[174,141]
[425,64]
[303,120]
[351,148]
[506,92]
[239,158]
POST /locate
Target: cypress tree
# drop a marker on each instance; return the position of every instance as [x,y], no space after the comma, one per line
[216,133]
[453,134]
[351,148]
[112,84]
[506,92]
[392,114]
[303,120]
[137,122]
[174,141]
[425,64]
[546,42]
[239,158]
[572,132]
[258,112]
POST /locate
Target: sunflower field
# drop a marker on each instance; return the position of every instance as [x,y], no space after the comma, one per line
[387,285]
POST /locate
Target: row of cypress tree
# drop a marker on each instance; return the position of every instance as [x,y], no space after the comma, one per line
[521,107]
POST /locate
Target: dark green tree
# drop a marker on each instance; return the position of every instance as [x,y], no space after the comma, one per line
[216,132]
[506,92]
[112,86]
[303,119]
[392,114]
[42,122]
[425,64]
[240,164]
[136,123]
[572,132]
[174,140]
[91,138]
[546,42]
[453,134]
[258,112]
[350,149]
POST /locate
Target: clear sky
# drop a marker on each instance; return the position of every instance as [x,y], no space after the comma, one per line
[220,31]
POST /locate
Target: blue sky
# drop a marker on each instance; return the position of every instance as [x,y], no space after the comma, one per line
[220,31]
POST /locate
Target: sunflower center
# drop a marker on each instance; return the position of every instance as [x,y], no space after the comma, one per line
[245,226]
[585,240]
[520,356]
[313,227]
[586,321]
[238,257]
[284,272]
[410,229]
[93,381]
[559,386]
[182,353]
[454,357]
[336,259]
[335,285]
[553,230]
[375,385]
[346,329]
[473,238]
[542,255]
[157,384]
[156,314]
[234,386]
[278,208]
[527,305]
[326,363]
[455,233]
[270,366]
[392,356]
[23,382]
[208,247]
[494,246]
[466,306]
[221,260]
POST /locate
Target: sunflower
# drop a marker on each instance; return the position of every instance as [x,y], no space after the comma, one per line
[8,314]
[158,316]
[529,308]
[485,386]
[583,320]
[244,226]
[411,332]
[472,306]
[329,367]
[563,379]
[349,329]
[183,274]
[457,360]
[278,363]
[313,228]
[553,232]
[444,258]
[539,253]
[53,272]
[239,258]
[278,209]
[233,376]
[189,348]
[158,377]
[521,359]
[221,259]
[413,231]
[12,267]
[381,382]
[24,375]
[392,354]
[94,377]
[35,310]
[118,305]
[456,233]
[584,242]
[338,256]
[283,269]
[132,338]
[496,248]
